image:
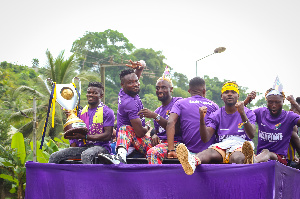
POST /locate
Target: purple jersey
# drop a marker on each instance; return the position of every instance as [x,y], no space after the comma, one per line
[227,125]
[128,109]
[274,133]
[164,112]
[188,111]
[108,120]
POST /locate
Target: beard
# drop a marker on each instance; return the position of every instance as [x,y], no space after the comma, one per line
[163,98]
[133,93]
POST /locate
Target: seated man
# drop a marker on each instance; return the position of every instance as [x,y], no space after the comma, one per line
[234,124]
[164,88]
[275,126]
[187,110]
[131,128]
[99,119]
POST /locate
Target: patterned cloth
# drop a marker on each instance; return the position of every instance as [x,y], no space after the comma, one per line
[156,154]
[126,137]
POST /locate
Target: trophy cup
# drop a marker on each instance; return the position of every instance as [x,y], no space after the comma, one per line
[67,97]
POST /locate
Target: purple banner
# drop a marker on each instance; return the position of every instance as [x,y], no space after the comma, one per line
[263,180]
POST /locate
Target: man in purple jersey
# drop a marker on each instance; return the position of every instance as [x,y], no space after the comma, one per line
[131,128]
[164,88]
[187,111]
[275,126]
[234,124]
[99,119]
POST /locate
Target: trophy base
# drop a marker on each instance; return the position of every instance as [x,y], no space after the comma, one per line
[73,126]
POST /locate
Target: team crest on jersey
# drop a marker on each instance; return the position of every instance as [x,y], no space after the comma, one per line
[168,112]
[241,125]
[277,126]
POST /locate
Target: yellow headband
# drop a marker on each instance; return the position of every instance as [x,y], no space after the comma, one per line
[230,86]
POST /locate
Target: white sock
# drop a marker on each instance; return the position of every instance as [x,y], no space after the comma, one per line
[122,152]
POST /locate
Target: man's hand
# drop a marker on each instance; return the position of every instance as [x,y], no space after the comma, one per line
[202,111]
[147,113]
[291,99]
[137,64]
[172,155]
[155,140]
[75,136]
[240,107]
[251,96]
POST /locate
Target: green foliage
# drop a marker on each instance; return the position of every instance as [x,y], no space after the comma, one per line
[151,102]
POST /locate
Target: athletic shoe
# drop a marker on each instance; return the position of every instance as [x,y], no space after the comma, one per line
[110,159]
[187,160]
[247,150]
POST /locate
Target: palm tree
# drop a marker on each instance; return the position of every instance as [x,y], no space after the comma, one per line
[60,71]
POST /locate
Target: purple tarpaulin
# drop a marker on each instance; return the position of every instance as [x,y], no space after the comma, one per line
[263,180]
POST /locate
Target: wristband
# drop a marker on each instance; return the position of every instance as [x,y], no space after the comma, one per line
[86,137]
[246,122]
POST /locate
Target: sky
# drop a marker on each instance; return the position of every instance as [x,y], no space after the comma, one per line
[261,37]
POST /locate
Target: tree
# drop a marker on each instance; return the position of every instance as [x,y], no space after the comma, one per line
[60,71]
[101,47]
[181,81]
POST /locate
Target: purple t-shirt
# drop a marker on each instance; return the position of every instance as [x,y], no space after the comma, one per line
[227,125]
[164,112]
[188,111]
[108,120]
[128,109]
[274,133]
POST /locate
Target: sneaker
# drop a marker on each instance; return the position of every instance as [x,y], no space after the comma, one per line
[247,150]
[110,159]
[186,159]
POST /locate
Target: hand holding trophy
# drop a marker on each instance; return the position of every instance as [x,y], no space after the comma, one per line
[68,96]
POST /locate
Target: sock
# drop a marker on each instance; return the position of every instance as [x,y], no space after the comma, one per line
[198,161]
[122,152]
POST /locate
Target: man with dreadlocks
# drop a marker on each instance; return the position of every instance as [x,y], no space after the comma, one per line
[131,128]
[164,89]
[99,119]
[275,125]
[234,124]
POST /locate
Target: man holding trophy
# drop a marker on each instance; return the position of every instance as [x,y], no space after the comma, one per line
[99,120]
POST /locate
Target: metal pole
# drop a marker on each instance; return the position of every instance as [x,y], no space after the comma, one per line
[102,75]
[196,68]
[34,130]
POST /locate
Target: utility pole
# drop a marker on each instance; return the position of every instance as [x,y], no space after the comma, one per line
[34,129]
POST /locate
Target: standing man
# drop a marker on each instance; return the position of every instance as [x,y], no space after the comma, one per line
[187,110]
[160,116]
[131,128]
[234,124]
[99,119]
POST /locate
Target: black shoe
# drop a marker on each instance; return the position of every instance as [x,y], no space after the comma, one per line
[110,159]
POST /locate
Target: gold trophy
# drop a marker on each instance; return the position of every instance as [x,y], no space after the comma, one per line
[67,97]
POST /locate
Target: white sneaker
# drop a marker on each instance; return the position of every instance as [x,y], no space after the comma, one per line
[110,159]
[186,159]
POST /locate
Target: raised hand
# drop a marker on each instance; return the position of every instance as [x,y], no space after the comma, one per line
[202,111]
[137,64]
[251,96]
[240,107]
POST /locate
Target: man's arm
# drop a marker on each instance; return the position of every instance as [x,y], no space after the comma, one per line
[139,130]
[205,132]
[249,128]
[251,96]
[170,134]
[294,104]
[149,114]
[295,140]
[138,66]
[105,136]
